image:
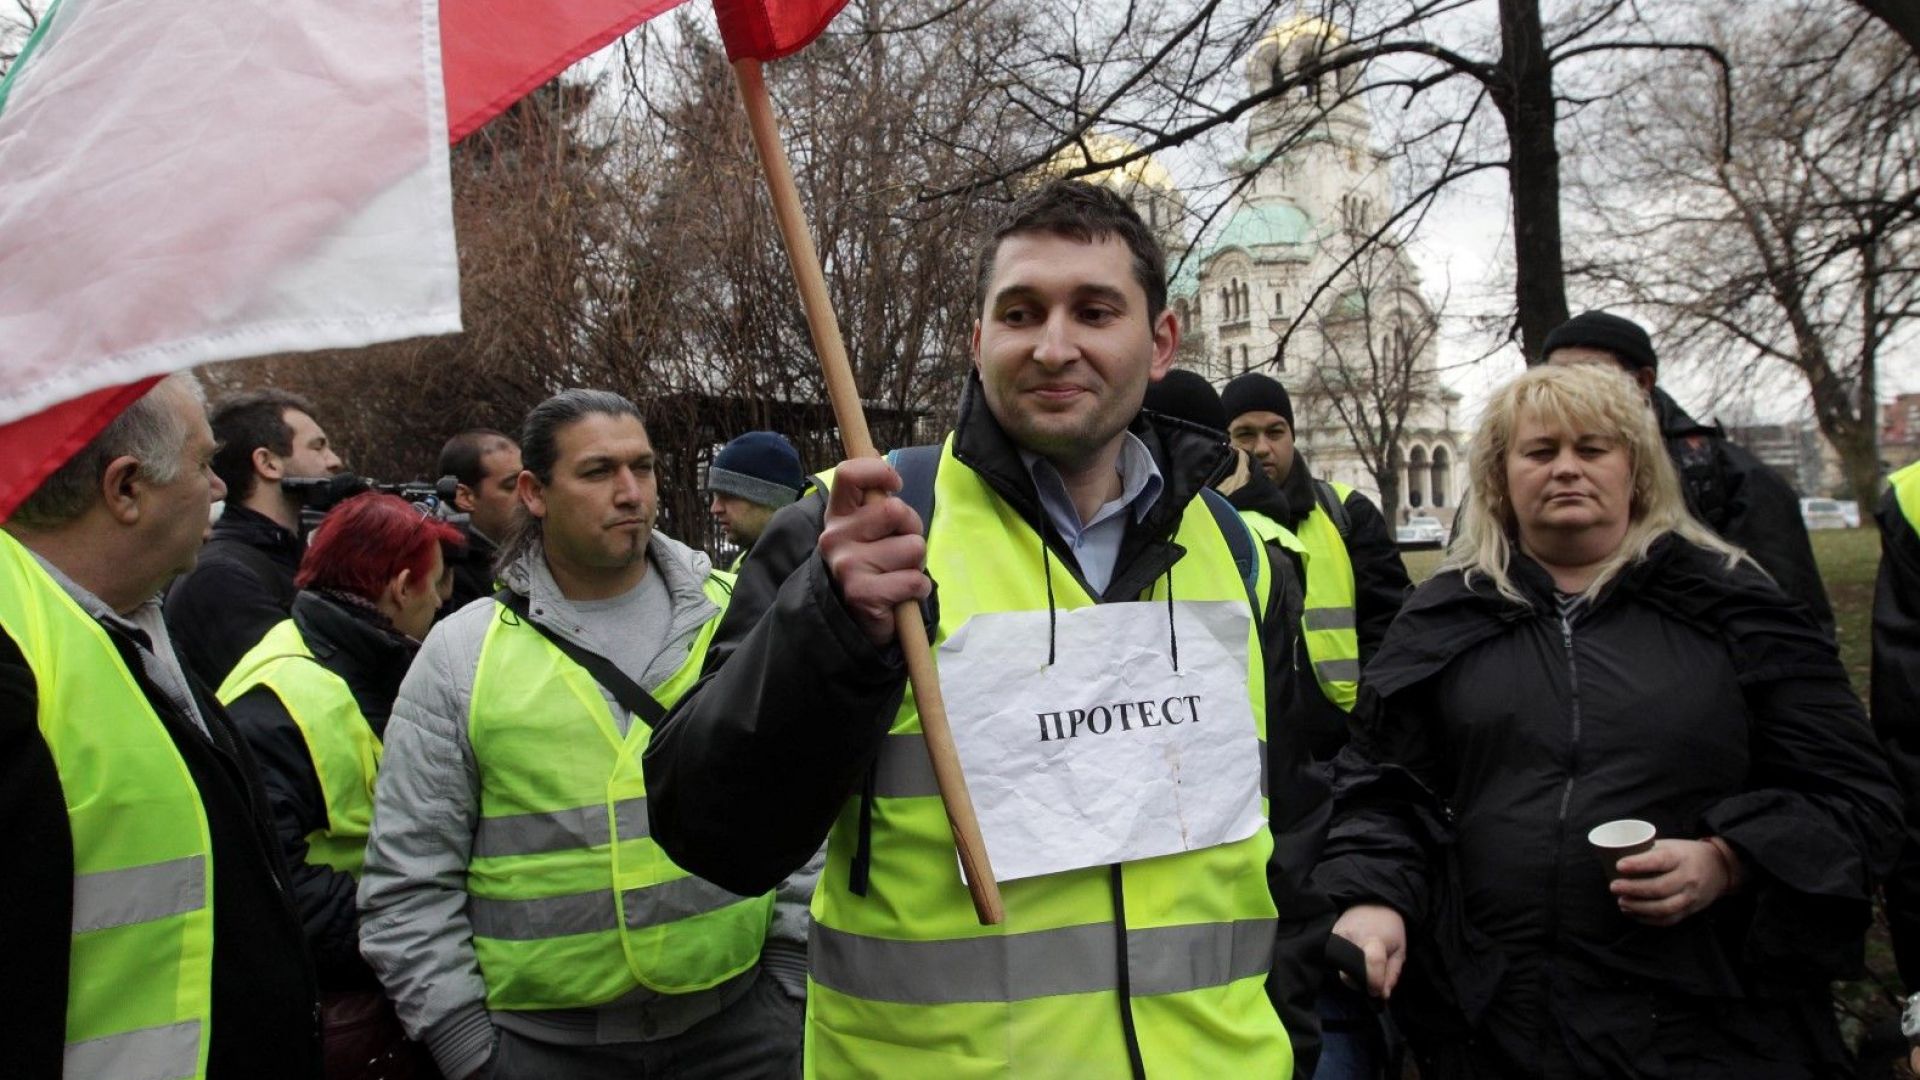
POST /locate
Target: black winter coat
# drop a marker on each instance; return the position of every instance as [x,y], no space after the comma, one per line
[372,659]
[240,588]
[1740,497]
[1491,736]
[266,1011]
[748,772]
[1896,714]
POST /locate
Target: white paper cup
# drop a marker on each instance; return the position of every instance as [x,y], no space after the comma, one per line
[1616,840]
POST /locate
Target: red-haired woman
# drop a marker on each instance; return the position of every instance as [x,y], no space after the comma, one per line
[312,700]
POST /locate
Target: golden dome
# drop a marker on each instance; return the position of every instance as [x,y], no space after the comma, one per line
[1142,170]
[1288,31]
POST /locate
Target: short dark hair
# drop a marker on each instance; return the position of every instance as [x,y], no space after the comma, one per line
[246,422]
[460,458]
[1086,213]
[540,452]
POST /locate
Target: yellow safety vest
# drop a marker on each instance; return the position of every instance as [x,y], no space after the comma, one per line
[573,903]
[905,982]
[1906,492]
[1330,625]
[342,745]
[139,989]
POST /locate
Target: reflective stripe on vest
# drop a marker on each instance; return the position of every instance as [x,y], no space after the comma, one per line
[139,989]
[904,979]
[1329,624]
[341,744]
[572,902]
[1906,493]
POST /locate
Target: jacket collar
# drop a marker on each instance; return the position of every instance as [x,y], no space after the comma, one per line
[1299,492]
[1674,420]
[681,568]
[242,525]
[1188,456]
[352,644]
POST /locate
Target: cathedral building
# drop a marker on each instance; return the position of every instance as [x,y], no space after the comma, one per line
[1281,282]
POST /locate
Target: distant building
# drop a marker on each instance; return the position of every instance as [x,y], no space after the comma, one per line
[1797,451]
[1900,432]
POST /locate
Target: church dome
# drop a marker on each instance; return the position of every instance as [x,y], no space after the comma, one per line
[1143,171]
[1273,225]
[1301,34]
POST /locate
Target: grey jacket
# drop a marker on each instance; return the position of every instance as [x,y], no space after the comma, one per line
[414,928]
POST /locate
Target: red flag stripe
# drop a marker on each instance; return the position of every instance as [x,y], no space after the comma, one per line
[771,29]
[38,445]
[496,52]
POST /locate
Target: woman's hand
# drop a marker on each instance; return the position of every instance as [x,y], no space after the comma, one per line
[1381,934]
[1676,879]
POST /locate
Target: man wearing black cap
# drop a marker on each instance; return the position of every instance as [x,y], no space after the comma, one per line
[1355,579]
[1727,488]
[751,477]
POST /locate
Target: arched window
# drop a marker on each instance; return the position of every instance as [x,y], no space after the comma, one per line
[1244,367]
[1417,472]
[1442,467]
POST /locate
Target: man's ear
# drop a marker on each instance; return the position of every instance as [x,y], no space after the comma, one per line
[973,345]
[1166,342]
[463,499]
[120,488]
[266,464]
[532,493]
[1646,377]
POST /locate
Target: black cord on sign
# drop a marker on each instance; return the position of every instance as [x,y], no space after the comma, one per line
[1173,633]
[1046,567]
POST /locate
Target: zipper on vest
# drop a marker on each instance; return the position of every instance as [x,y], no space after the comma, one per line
[1120,965]
[1566,792]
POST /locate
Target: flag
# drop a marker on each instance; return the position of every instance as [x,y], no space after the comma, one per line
[499,51]
[184,182]
[771,29]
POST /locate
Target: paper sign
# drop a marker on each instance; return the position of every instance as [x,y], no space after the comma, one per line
[1109,754]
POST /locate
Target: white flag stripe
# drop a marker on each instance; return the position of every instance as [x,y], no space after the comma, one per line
[184,182]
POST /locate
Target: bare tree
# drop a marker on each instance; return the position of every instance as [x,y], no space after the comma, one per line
[1377,366]
[1155,75]
[1795,245]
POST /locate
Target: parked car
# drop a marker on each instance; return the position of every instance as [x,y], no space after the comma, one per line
[1828,514]
[1421,532]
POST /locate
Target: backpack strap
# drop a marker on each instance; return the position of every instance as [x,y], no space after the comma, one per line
[604,671]
[918,466]
[1336,509]
[1240,541]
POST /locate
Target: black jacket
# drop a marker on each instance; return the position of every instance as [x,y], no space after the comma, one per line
[1896,714]
[371,659]
[472,567]
[241,587]
[1490,737]
[747,774]
[265,1019]
[1746,502]
[1380,587]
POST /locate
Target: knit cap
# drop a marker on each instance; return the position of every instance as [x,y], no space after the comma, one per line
[1256,392]
[761,467]
[1187,395]
[1623,338]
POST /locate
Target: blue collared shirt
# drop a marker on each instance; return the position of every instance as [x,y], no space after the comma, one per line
[1096,543]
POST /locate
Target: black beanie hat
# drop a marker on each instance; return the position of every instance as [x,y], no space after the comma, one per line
[1255,392]
[761,467]
[1623,338]
[1187,395]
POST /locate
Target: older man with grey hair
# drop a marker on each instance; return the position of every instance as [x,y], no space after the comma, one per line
[145,903]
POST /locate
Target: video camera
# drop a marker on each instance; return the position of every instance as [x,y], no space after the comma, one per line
[318,495]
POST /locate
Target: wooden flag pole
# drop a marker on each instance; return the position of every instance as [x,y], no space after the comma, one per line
[857,442]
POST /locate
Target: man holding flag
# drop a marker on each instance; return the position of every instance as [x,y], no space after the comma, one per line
[1053,514]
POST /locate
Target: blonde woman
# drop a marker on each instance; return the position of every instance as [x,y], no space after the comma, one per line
[1589,653]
